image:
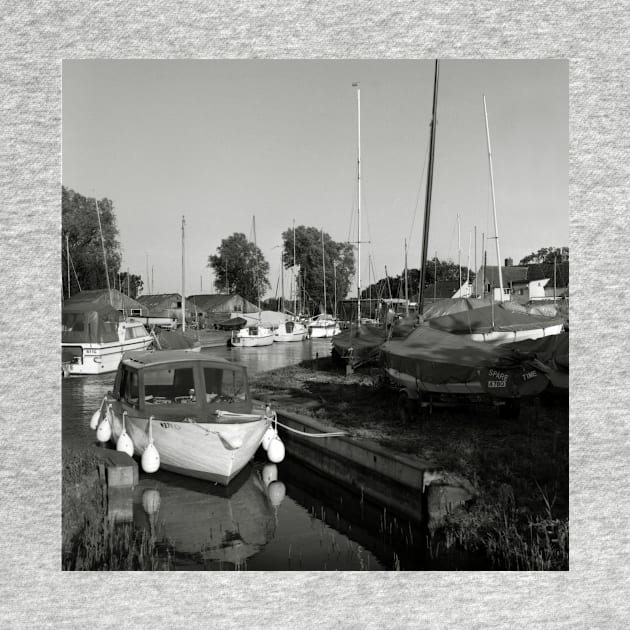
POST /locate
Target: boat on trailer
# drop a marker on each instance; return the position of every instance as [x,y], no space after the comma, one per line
[95,336]
[186,412]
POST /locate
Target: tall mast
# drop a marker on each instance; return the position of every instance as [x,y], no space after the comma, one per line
[494,207]
[324,267]
[359,202]
[100,229]
[68,263]
[406,287]
[427,205]
[468,263]
[256,270]
[282,279]
[295,280]
[459,253]
[183,277]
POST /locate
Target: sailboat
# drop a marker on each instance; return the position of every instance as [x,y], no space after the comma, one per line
[253,335]
[359,344]
[323,325]
[431,363]
[291,330]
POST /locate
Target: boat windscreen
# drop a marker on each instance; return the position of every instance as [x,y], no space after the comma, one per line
[225,383]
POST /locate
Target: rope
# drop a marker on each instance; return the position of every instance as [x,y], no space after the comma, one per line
[313,435]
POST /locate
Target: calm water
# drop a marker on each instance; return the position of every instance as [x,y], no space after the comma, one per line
[283,517]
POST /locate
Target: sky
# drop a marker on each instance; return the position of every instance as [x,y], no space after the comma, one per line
[223,141]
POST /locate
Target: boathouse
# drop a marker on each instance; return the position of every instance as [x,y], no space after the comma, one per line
[103,297]
[170,305]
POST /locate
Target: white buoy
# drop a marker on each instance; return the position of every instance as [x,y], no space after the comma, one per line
[269,474]
[269,434]
[104,429]
[151,501]
[275,452]
[96,416]
[276,492]
[150,460]
[124,444]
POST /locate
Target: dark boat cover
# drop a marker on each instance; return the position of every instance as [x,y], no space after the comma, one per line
[233,323]
[439,357]
[175,340]
[491,318]
[85,322]
[360,343]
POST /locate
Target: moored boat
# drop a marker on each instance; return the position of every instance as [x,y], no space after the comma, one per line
[95,336]
[252,336]
[323,325]
[290,331]
[187,412]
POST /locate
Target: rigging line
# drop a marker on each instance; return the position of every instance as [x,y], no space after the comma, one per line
[355,194]
[313,435]
[75,272]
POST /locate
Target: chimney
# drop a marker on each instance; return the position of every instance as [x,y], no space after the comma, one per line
[509,262]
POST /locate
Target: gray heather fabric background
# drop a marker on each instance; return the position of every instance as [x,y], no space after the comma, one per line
[35,37]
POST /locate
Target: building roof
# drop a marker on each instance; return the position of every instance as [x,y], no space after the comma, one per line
[160,302]
[105,297]
[213,302]
[540,271]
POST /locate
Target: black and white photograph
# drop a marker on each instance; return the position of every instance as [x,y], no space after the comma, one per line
[314,315]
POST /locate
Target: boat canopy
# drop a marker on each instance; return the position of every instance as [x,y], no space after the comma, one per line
[85,322]
[440,357]
[490,318]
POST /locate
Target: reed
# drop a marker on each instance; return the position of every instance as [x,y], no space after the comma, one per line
[90,541]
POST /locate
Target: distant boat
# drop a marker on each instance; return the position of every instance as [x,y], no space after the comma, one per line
[94,337]
[184,411]
[290,331]
[323,325]
[252,336]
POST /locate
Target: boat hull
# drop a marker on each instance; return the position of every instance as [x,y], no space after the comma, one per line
[99,358]
[253,342]
[321,332]
[214,451]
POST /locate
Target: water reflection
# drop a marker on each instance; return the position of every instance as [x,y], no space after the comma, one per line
[207,524]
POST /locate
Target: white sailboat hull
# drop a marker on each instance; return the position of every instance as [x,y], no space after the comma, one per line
[498,337]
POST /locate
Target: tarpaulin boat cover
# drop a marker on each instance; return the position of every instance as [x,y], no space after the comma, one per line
[175,340]
[552,350]
[84,322]
[491,318]
[233,323]
[360,343]
[449,306]
[439,357]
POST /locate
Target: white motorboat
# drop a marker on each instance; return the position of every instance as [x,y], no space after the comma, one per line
[95,336]
[252,336]
[323,325]
[290,331]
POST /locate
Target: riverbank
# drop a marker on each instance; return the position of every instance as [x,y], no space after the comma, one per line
[520,467]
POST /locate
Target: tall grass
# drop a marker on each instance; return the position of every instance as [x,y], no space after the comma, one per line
[90,540]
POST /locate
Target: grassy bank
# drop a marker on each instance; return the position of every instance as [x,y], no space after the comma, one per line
[90,541]
[520,467]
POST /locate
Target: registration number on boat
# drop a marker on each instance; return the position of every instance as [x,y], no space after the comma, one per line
[170,425]
[501,377]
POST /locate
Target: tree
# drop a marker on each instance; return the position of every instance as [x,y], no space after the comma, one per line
[547,255]
[394,286]
[79,223]
[309,266]
[133,288]
[239,267]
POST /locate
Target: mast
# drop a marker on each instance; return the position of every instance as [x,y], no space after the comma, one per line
[476,269]
[183,278]
[324,267]
[435,282]
[68,263]
[100,229]
[468,263]
[282,279]
[256,270]
[427,205]
[459,254]
[494,207]
[146,258]
[359,202]
[406,287]
[295,280]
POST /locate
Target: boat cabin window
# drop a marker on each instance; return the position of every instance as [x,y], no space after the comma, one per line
[253,331]
[224,384]
[289,327]
[167,385]
[129,387]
